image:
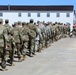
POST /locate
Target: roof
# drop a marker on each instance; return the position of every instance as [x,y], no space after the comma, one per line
[37,8]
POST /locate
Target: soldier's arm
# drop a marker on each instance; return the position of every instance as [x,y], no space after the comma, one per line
[36,30]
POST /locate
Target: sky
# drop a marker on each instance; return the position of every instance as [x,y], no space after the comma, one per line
[39,2]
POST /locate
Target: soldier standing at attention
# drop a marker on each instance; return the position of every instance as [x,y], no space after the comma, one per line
[3,45]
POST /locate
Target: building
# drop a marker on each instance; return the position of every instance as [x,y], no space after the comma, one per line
[74,20]
[62,13]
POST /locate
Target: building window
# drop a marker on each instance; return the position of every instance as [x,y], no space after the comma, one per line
[67,14]
[58,15]
[19,14]
[29,14]
[48,14]
[1,14]
[38,14]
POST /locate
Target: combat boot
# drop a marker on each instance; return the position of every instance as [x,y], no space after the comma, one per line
[31,55]
[12,64]
[24,56]
[20,58]
[4,69]
[39,50]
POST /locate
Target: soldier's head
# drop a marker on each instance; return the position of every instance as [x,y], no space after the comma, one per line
[12,25]
[35,23]
[23,24]
[55,22]
[19,22]
[15,24]
[43,22]
[6,21]
[38,22]
[1,21]
[31,20]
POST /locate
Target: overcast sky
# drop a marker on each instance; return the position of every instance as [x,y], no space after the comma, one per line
[39,2]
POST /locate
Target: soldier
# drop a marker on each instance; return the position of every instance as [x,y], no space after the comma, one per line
[19,24]
[53,33]
[48,35]
[38,39]
[34,32]
[43,32]
[16,34]
[3,45]
[20,31]
[10,42]
[25,38]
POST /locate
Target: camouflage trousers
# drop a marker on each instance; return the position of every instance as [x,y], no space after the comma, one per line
[3,57]
[32,45]
[18,47]
[47,42]
[11,52]
[24,48]
[36,45]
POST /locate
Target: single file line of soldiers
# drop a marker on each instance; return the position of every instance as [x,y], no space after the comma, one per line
[28,37]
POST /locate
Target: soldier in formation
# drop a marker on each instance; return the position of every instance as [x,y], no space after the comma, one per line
[29,37]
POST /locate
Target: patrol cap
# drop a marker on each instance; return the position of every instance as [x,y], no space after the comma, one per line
[19,22]
[43,21]
[38,22]
[31,20]
[6,20]
[23,23]
[15,23]
[35,23]
[55,22]
[1,20]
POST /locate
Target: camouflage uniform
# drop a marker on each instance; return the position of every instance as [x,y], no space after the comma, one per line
[17,37]
[38,40]
[34,32]
[43,32]
[10,41]
[25,38]
[3,45]
[48,35]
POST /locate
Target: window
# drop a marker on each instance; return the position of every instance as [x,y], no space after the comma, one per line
[1,14]
[29,14]
[19,14]
[58,15]
[67,14]
[48,14]
[38,14]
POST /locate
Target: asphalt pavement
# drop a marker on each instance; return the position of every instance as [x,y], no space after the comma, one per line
[58,59]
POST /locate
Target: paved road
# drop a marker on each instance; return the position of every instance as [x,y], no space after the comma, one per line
[59,59]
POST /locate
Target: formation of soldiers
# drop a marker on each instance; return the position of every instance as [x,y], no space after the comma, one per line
[28,38]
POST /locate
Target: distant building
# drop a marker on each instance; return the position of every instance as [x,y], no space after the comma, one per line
[74,20]
[60,13]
